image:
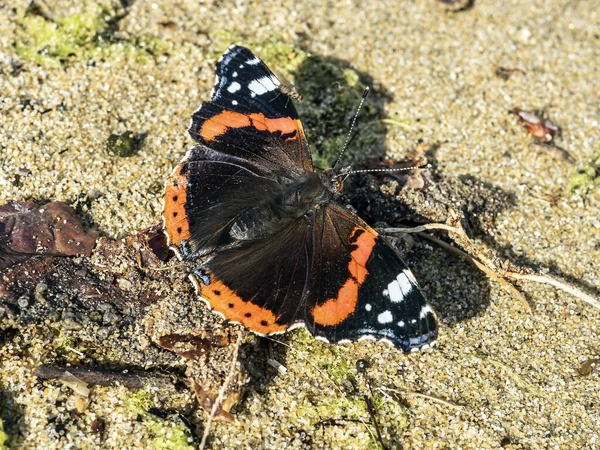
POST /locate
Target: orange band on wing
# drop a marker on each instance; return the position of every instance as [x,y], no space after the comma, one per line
[336,310]
[219,124]
[174,214]
[224,300]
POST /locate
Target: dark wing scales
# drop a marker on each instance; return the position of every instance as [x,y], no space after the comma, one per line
[278,144]
[374,294]
[260,284]
[249,116]
[245,84]
[204,195]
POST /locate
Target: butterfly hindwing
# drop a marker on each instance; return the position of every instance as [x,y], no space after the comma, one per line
[374,294]
[260,283]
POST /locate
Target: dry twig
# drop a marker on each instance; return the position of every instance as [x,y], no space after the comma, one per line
[488,266]
[221,396]
[385,390]
[505,284]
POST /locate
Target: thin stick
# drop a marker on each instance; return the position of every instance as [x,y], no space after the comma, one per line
[420,228]
[106,377]
[544,279]
[508,370]
[556,283]
[406,126]
[505,284]
[371,410]
[385,390]
[221,396]
[436,399]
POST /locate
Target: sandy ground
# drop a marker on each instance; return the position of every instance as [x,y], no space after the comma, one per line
[510,379]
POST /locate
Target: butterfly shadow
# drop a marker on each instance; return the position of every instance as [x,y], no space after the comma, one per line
[456,290]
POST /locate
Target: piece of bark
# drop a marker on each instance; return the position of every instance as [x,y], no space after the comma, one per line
[106,377]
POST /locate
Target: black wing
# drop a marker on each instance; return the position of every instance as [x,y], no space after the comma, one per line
[261,283]
[250,117]
[360,288]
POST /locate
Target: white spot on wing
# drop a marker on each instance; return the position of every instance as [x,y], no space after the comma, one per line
[404,281]
[425,311]
[385,317]
[234,74]
[254,61]
[395,292]
[401,324]
[368,307]
[234,102]
[263,85]
[234,87]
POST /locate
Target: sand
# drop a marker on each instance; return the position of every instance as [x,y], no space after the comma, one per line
[508,378]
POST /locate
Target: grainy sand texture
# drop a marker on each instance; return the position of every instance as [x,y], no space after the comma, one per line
[75,73]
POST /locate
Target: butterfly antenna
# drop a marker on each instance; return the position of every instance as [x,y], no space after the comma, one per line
[400,169]
[349,137]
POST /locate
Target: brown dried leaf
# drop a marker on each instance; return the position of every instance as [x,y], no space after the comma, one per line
[189,346]
[206,399]
[506,72]
[27,229]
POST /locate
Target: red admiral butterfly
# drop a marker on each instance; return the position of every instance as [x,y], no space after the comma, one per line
[281,252]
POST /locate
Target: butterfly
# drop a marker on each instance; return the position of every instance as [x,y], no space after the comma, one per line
[275,249]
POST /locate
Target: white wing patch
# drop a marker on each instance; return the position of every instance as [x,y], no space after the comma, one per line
[234,87]
[263,85]
[425,311]
[385,317]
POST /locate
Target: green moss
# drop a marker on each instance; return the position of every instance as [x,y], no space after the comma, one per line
[585,178]
[280,55]
[222,39]
[351,407]
[51,43]
[3,436]
[337,367]
[84,37]
[169,433]
[69,348]
[123,145]
[139,402]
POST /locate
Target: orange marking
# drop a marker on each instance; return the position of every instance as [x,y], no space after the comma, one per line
[225,301]
[174,216]
[219,124]
[336,310]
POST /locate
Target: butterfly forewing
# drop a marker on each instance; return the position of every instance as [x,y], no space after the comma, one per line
[379,297]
